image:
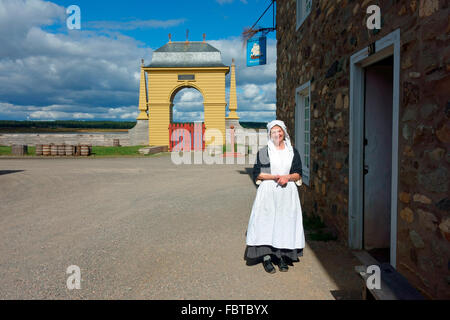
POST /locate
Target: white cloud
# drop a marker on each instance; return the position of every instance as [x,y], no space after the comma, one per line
[188,106]
[124,113]
[17,17]
[189,116]
[250,91]
[55,115]
[78,115]
[190,95]
[261,116]
[129,116]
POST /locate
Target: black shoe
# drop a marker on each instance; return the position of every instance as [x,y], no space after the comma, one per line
[283,265]
[268,266]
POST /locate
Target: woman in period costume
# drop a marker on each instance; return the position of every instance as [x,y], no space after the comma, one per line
[275,228]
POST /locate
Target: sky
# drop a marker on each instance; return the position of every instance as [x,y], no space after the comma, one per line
[48,72]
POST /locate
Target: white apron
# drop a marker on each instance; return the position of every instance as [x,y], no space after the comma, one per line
[276,218]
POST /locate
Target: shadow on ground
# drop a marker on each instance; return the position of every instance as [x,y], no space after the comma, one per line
[3,172]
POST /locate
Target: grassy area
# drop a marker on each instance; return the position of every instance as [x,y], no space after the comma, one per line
[6,151]
[131,151]
[116,151]
[314,229]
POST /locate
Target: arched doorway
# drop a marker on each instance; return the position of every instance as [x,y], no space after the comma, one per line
[187,129]
[187,105]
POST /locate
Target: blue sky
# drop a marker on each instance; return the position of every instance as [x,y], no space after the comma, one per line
[49,72]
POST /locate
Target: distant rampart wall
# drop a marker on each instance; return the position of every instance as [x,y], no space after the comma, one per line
[32,139]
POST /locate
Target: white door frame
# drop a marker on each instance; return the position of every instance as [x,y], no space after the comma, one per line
[385,47]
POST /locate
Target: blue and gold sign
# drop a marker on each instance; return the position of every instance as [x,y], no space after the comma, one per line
[256,51]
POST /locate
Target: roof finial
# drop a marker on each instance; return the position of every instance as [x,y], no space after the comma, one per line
[232,60]
[170,38]
[204,37]
[187,35]
[142,62]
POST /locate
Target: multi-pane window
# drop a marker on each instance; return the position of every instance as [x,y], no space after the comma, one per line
[307,130]
[303,10]
[303,128]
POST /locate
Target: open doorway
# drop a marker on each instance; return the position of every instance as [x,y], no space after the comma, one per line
[377,155]
[373,148]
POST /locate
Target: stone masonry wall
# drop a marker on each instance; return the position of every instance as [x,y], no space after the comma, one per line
[319,51]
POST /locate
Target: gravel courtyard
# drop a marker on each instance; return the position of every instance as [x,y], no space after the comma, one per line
[145,228]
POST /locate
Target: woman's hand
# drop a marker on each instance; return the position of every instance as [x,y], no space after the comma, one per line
[283,180]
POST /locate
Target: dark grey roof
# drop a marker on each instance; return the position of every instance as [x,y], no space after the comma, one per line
[187,47]
[182,54]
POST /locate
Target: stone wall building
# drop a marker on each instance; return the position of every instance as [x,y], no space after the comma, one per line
[369,112]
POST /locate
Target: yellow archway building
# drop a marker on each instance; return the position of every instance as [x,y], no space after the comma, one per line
[175,66]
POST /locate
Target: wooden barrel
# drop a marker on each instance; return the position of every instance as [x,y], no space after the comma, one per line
[84,150]
[19,149]
[53,149]
[46,150]
[116,143]
[39,148]
[61,150]
[69,150]
[78,150]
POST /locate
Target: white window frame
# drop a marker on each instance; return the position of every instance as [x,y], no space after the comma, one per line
[303,10]
[303,128]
